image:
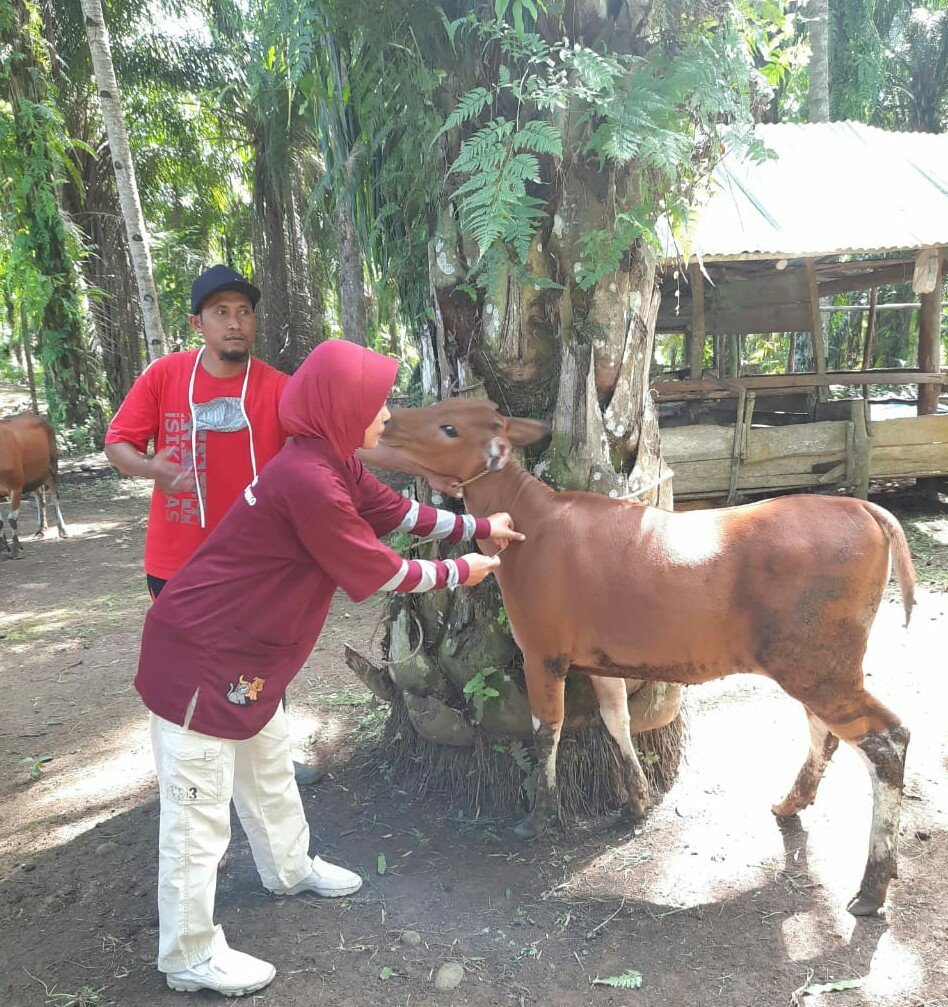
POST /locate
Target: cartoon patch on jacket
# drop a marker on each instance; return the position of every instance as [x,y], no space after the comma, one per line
[245,692]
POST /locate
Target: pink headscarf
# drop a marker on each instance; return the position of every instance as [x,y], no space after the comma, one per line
[336,393]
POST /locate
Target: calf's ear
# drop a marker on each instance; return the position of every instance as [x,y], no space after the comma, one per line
[521,431]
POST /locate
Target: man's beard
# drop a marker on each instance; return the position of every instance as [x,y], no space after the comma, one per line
[234,356]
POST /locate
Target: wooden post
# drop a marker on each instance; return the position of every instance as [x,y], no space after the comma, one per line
[929,343]
[816,324]
[870,329]
[733,356]
[862,432]
[792,354]
[742,422]
[698,334]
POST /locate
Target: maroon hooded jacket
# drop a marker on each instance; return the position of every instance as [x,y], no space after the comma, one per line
[238,621]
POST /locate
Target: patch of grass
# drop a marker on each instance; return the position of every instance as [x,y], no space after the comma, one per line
[80,487]
[97,612]
[372,723]
[348,697]
[926,527]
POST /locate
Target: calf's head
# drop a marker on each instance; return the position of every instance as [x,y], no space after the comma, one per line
[459,437]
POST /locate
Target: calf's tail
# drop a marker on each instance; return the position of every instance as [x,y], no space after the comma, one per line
[902,564]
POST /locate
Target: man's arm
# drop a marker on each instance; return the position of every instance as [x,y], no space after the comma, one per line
[389,458]
[168,475]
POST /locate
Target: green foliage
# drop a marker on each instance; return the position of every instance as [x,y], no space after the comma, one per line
[856,60]
[916,69]
[34,159]
[36,763]
[479,692]
[493,202]
[628,980]
[660,112]
[517,752]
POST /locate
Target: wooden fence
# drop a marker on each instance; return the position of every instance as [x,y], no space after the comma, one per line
[712,461]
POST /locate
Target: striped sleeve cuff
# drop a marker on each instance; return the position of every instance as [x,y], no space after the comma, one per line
[432,523]
[416,576]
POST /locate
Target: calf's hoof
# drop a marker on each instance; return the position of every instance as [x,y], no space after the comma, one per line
[634,813]
[531,827]
[866,905]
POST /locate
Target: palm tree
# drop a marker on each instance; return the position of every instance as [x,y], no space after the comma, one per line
[110,103]
[537,287]
[917,79]
[819,96]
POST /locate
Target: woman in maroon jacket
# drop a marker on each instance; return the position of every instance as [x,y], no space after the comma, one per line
[236,624]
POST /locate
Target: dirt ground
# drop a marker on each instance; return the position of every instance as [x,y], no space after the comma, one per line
[712,902]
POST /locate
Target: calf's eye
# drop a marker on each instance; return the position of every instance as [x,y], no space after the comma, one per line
[449,430]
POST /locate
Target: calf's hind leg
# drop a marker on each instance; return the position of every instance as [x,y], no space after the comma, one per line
[823,743]
[39,495]
[54,496]
[881,740]
[614,709]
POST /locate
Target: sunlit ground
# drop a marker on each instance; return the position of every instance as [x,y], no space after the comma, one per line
[719,839]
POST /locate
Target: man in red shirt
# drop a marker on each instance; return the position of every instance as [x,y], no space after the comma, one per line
[213,416]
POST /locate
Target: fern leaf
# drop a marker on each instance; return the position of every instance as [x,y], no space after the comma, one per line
[540,136]
[629,980]
[469,106]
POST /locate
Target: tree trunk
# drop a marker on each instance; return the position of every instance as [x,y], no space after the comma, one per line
[28,359]
[351,276]
[291,306]
[578,357]
[111,107]
[93,205]
[818,13]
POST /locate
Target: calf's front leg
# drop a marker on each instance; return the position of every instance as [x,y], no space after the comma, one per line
[546,691]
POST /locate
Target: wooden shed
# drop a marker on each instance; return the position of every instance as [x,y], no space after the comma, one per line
[832,208]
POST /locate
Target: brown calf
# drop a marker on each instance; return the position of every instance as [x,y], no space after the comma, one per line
[28,462]
[787,588]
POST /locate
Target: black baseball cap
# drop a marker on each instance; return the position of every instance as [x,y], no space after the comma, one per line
[218,278]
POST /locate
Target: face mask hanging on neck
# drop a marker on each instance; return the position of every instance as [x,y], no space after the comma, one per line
[224,415]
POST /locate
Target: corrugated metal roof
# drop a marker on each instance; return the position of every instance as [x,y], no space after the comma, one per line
[834,188]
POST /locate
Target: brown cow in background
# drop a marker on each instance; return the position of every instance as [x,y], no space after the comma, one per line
[29,462]
[786,588]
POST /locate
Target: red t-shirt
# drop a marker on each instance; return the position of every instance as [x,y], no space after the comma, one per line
[157,409]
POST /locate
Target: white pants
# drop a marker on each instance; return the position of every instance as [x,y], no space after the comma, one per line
[197,776]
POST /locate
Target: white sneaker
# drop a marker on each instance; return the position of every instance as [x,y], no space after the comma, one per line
[229,972]
[327,880]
